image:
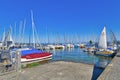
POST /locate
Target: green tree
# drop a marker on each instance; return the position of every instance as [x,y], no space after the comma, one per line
[90,42]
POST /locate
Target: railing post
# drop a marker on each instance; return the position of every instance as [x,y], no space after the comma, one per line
[18,58]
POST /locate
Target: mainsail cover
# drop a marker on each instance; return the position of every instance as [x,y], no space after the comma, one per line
[103,40]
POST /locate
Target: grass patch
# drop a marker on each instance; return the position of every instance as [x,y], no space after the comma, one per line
[23,66]
[30,65]
[33,64]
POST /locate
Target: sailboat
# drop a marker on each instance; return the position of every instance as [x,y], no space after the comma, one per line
[7,40]
[32,54]
[69,43]
[10,42]
[103,50]
[58,45]
[48,46]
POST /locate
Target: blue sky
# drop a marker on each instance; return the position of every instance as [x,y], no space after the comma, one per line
[84,18]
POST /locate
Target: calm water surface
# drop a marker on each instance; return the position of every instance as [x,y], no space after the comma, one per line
[77,55]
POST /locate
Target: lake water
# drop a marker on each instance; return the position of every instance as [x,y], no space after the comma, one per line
[77,55]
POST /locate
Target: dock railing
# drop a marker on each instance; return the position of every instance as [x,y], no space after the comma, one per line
[14,64]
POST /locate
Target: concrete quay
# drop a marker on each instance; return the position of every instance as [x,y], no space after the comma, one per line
[59,70]
[112,71]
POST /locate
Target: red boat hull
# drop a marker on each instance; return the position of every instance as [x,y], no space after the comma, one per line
[33,57]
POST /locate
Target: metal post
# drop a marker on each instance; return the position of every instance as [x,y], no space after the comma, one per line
[18,62]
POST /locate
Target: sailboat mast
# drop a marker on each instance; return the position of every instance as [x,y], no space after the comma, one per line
[29,40]
[3,37]
[65,38]
[105,37]
[15,32]
[47,35]
[24,24]
[33,25]
[10,34]
[113,38]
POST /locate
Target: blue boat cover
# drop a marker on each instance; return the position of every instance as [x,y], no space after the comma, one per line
[109,48]
[32,51]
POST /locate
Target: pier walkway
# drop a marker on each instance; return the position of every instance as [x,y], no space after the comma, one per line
[59,70]
[112,71]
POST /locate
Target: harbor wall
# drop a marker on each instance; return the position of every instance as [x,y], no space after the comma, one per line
[112,71]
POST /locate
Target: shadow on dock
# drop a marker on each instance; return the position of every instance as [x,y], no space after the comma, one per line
[96,72]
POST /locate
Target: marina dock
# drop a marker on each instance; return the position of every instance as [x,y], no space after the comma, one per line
[112,71]
[59,70]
